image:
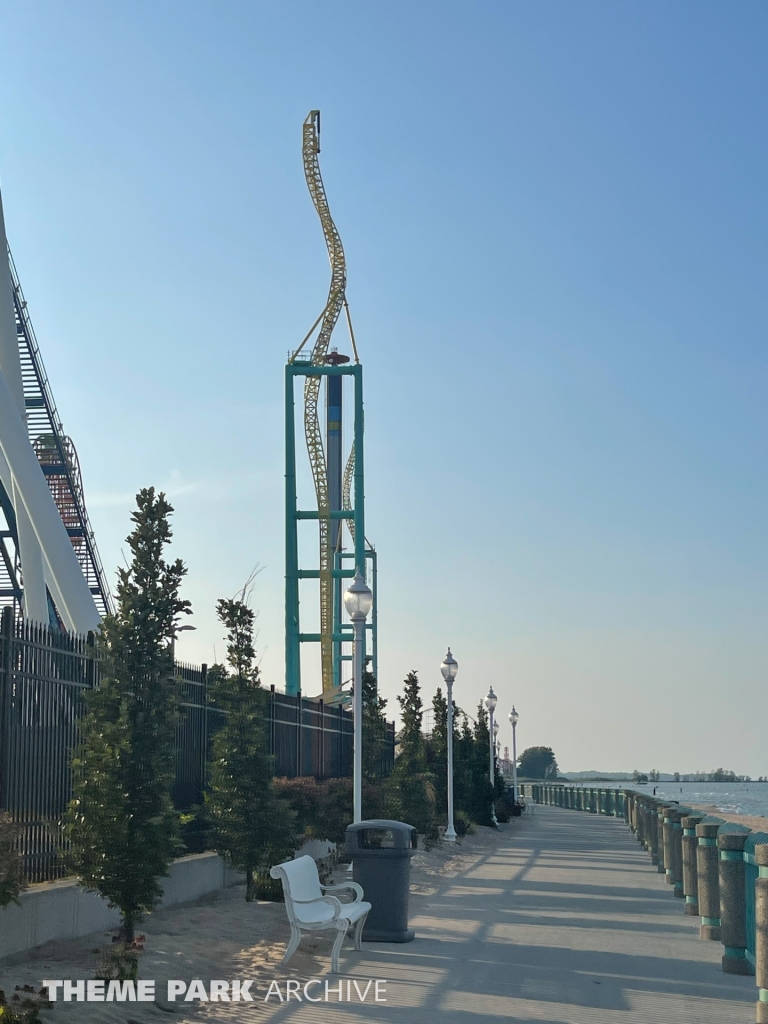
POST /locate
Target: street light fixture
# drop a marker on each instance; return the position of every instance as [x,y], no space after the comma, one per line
[490,703]
[358,601]
[513,717]
[179,629]
[449,668]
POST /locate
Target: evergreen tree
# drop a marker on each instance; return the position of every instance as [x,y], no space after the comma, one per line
[437,753]
[463,766]
[374,728]
[482,792]
[253,827]
[410,787]
[121,822]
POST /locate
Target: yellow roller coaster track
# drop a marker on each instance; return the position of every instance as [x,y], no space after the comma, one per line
[327,320]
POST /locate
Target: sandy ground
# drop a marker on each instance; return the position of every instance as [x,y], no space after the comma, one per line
[222,936]
[757,822]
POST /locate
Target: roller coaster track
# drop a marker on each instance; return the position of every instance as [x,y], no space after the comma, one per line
[328,319]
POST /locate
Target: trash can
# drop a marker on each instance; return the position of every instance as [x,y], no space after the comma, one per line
[381,851]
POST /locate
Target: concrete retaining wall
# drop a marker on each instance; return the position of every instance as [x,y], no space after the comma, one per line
[62,910]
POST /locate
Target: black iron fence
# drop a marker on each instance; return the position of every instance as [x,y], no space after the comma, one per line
[43,674]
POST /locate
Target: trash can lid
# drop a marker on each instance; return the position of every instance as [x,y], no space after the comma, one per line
[382,833]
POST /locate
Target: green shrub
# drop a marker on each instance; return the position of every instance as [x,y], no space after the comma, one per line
[11,878]
[463,824]
[24,1006]
[324,809]
[120,961]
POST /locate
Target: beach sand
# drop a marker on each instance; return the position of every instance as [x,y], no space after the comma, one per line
[757,822]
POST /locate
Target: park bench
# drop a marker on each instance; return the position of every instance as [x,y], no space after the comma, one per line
[309,908]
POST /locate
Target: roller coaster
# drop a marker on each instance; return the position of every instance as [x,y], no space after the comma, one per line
[50,571]
[340,495]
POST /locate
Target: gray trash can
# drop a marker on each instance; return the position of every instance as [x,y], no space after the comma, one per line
[381,851]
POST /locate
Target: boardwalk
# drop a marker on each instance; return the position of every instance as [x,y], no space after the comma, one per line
[558,918]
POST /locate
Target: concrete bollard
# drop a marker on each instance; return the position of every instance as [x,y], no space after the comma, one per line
[709,877]
[650,823]
[761,933]
[731,838]
[690,875]
[677,849]
[666,815]
[661,864]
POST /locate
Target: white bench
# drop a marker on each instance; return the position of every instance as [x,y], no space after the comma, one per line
[310,909]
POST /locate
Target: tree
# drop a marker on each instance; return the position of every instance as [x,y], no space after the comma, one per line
[374,728]
[253,827]
[722,775]
[482,792]
[437,753]
[538,763]
[410,787]
[121,822]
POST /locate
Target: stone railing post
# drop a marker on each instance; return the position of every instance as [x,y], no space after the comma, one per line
[666,815]
[661,853]
[690,874]
[761,932]
[645,838]
[677,849]
[647,835]
[709,876]
[731,838]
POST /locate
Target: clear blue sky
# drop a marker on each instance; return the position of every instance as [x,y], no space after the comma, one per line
[555,222]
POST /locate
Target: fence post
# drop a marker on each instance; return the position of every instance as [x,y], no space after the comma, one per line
[690,875]
[709,881]
[731,838]
[761,932]
[204,754]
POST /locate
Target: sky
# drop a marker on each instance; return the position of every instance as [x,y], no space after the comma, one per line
[554,217]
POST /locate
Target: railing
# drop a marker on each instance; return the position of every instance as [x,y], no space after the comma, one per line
[43,675]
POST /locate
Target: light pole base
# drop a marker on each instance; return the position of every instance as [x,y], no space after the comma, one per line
[450,834]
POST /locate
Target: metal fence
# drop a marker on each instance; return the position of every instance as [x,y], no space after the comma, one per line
[43,674]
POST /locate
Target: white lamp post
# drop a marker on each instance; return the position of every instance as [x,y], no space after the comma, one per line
[490,703]
[358,600]
[449,668]
[513,717]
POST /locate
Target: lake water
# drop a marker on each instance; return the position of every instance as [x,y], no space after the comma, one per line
[730,797]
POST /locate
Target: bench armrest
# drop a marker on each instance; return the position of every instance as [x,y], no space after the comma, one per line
[354,886]
[330,900]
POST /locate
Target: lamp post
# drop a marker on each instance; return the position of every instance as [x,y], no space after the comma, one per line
[180,629]
[449,668]
[490,703]
[358,600]
[513,717]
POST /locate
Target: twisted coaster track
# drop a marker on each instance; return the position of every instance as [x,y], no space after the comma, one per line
[328,319]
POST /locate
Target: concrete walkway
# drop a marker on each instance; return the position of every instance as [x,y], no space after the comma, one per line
[559,917]
[567,922]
